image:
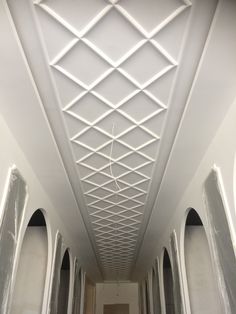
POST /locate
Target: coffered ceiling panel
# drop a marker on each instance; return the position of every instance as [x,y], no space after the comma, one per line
[112,68]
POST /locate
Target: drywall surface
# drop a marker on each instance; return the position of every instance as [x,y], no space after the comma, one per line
[120,293]
[32,266]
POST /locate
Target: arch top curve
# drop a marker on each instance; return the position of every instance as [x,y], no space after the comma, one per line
[38,219]
[192,217]
[66,260]
[166,258]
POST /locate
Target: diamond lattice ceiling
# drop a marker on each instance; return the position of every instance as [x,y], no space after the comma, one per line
[109,67]
[114,64]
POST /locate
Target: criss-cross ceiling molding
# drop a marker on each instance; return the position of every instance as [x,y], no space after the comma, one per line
[110,119]
[113,67]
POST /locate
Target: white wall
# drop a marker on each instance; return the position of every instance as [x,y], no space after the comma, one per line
[220,153]
[27,141]
[173,201]
[21,118]
[120,293]
[30,279]
[198,146]
[37,199]
[202,284]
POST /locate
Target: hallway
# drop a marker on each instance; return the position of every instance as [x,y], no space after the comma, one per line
[117,160]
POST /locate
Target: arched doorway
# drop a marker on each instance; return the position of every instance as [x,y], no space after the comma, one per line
[202,284]
[156,290]
[31,271]
[64,284]
[168,284]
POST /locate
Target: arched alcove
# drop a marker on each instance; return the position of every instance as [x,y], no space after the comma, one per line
[77,289]
[143,297]
[168,284]
[202,284]
[156,290]
[147,298]
[64,284]
[29,285]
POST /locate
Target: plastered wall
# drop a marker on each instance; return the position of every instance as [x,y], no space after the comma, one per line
[175,198]
[203,296]
[19,94]
[37,199]
[117,293]
[220,156]
[30,278]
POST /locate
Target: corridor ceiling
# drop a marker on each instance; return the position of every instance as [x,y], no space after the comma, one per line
[114,79]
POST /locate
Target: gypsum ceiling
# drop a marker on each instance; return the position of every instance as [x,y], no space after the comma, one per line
[110,75]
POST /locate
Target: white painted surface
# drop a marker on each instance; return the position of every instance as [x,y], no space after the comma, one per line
[31,272]
[202,284]
[201,141]
[121,293]
[114,103]
[49,188]
[205,137]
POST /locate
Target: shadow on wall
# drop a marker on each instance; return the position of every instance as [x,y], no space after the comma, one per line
[168,284]
[64,284]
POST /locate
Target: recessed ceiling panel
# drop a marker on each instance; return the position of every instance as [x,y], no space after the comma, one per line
[112,67]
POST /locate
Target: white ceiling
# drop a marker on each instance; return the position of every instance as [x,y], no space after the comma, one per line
[114,78]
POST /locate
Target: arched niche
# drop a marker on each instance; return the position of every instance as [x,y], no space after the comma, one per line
[156,289]
[143,297]
[147,299]
[168,284]
[64,286]
[28,292]
[77,289]
[177,278]
[201,277]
